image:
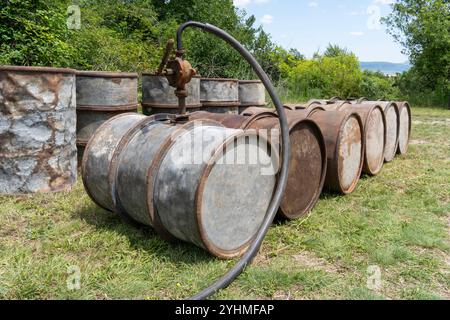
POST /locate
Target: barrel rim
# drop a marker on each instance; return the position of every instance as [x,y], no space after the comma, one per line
[152,174]
[168,106]
[219,104]
[32,69]
[405,104]
[85,157]
[354,184]
[366,119]
[250,82]
[205,79]
[249,105]
[218,252]
[106,74]
[153,74]
[393,104]
[323,149]
[99,108]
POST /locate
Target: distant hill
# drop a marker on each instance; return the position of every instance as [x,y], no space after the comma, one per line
[386,67]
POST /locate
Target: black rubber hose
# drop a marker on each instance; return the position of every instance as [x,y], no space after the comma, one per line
[247,258]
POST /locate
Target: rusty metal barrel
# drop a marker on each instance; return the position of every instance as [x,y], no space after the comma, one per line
[392,115]
[159,97]
[344,139]
[405,127]
[101,96]
[374,124]
[97,157]
[252,93]
[391,112]
[308,156]
[219,95]
[310,108]
[37,130]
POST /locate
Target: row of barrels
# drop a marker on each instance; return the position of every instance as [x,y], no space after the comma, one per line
[149,181]
[102,95]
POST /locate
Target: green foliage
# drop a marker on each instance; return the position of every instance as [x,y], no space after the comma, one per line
[422,27]
[376,85]
[34,33]
[337,73]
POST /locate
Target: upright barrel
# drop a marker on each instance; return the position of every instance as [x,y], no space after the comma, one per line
[405,127]
[101,96]
[98,154]
[344,139]
[159,97]
[308,155]
[219,95]
[252,93]
[37,130]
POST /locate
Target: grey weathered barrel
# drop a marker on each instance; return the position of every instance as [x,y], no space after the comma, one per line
[194,182]
[344,139]
[101,96]
[132,168]
[37,130]
[159,97]
[374,124]
[213,187]
[405,127]
[308,155]
[252,93]
[219,95]
[98,154]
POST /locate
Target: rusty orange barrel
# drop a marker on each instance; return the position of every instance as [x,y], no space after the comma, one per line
[374,125]
[344,139]
[308,154]
[392,114]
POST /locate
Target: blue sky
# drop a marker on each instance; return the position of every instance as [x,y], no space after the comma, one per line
[309,25]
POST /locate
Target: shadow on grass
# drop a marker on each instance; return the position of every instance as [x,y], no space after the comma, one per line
[142,237]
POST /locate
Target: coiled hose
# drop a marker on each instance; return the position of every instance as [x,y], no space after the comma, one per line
[247,258]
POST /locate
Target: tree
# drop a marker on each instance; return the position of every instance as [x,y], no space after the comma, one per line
[422,27]
[334,50]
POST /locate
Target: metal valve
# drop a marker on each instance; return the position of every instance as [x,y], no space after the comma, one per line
[178,72]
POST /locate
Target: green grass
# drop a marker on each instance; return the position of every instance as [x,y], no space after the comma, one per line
[398,221]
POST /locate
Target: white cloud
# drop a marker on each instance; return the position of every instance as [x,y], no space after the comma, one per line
[313,4]
[357,33]
[267,19]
